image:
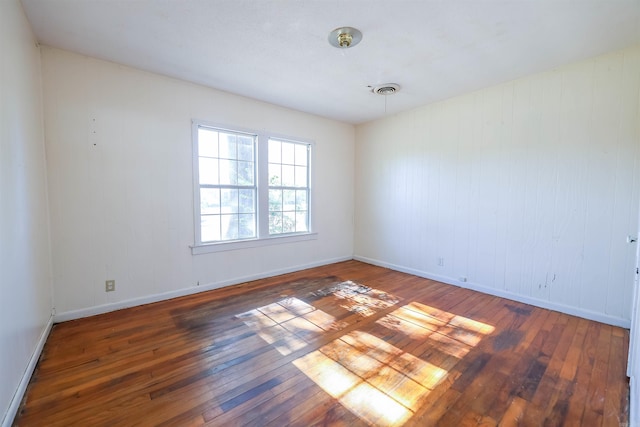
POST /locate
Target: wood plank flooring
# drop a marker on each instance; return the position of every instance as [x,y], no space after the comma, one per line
[347,344]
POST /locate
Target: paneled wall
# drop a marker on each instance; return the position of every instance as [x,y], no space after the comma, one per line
[25,264]
[527,189]
[119,155]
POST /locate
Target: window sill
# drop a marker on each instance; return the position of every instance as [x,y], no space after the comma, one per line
[253,243]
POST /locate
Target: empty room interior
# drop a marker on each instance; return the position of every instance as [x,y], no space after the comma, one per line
[303,213]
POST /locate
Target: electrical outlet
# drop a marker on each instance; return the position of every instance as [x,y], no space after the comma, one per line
[110,286]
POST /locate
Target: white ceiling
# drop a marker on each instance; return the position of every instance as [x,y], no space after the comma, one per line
[277,50]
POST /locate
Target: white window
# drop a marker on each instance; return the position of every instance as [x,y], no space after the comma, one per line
[226,184]
[249,188]
[288,187]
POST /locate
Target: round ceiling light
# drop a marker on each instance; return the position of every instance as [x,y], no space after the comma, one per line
[345,37]
[386,89]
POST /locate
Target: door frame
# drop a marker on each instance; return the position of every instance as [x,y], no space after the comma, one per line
[633,361]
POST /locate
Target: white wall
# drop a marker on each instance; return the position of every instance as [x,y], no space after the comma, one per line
[527,189]
[120,183]
[25,267]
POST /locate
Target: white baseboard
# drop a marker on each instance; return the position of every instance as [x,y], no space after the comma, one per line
[106,308]
[14,405]
[574,311]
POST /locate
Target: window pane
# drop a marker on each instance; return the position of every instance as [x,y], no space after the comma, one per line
[301,200]
[246,226]
[301,154]
[275,200]
[302,221]
[210,228]
[207,142]
[289,200]
[229,200]
[274,174]
[288,222]
[245,173]
[228,172]
[275,222]
[209,201]
[229,225]
[247,203]
[288,153]
[274,151]
[301,176]
[208,169]
[288,176]
[228,146]
[245,148]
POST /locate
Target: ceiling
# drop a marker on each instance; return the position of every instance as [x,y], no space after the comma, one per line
[277,50]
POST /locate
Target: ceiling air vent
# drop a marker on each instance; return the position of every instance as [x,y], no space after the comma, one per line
[386,89]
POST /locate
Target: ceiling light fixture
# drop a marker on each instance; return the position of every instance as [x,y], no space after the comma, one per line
[345,37]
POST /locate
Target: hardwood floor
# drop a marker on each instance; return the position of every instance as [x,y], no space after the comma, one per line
[347,344]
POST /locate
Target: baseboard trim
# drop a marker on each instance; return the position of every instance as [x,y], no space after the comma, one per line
[574,311]
[106,308]
[14,405]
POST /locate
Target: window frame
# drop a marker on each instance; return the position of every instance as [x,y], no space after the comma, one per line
[261,176]
[283,187]
[225,186]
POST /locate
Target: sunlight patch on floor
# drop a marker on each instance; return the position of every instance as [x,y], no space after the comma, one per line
[388,384]
[456,334]
[290,323]
[424,374]
[374,406]
[357,298]
[375,380]
[363,399]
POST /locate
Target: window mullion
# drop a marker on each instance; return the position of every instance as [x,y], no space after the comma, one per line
[263,186]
